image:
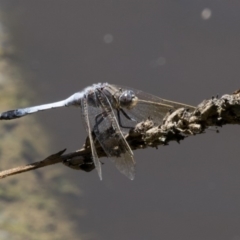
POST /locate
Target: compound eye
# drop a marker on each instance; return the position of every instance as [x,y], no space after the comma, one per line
[127,99]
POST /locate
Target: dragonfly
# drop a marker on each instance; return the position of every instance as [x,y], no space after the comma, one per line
[108,111]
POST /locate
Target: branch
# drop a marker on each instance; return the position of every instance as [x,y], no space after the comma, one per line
[176,126]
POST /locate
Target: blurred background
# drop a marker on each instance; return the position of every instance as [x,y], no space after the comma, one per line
[186,51]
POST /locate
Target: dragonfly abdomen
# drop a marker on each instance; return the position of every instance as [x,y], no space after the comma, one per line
[12,114]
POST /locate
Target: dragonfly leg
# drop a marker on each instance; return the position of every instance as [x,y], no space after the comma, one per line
[99,118]
[125,115]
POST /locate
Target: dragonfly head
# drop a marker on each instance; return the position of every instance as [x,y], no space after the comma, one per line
[128,99]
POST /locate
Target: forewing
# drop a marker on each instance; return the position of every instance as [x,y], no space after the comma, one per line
[150,106]
[85,115]
[104,124]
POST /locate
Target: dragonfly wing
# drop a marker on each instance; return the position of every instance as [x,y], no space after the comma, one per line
[85,116]
[105,126]
[150,106]
[125,164]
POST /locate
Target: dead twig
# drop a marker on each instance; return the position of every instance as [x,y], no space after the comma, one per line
[176,126]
